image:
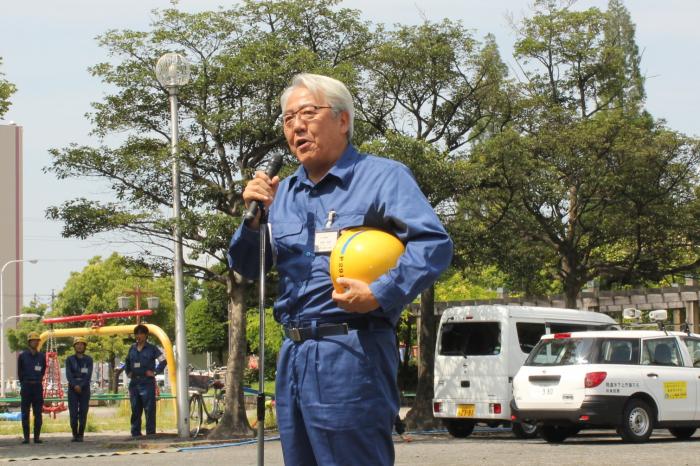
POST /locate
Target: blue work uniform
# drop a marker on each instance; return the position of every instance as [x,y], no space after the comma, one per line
[79,374]
[336,396]
[142,388]
[31,368]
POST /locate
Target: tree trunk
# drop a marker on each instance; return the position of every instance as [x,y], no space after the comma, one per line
[234,422]
[420,417]
[113,386]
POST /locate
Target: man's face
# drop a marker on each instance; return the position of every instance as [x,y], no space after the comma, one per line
[141,337]
[317,143]
[79,348]
[33,344]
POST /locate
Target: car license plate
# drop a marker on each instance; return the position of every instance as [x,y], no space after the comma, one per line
[465,410]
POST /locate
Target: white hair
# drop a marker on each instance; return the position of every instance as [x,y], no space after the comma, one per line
[324,87]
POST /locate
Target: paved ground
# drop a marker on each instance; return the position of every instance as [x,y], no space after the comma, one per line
[485,447]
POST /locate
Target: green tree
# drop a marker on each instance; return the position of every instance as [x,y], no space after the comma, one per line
[6,91]
[95,289]
[242,59]
[583,183]
[205,331]
[273,339]
[17,337]
[429,92]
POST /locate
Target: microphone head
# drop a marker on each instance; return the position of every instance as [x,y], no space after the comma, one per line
[274,166]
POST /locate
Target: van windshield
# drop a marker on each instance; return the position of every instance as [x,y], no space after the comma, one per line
[470,339]
[561,352]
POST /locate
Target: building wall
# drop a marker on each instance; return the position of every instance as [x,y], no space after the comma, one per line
[11,229]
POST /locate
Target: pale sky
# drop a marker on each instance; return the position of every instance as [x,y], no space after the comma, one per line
[47,46]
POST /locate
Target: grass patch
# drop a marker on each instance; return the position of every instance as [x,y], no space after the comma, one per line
[101,419]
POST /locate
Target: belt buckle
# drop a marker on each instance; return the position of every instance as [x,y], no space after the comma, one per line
[294,334]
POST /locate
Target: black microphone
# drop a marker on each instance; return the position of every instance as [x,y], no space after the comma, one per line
[272,169]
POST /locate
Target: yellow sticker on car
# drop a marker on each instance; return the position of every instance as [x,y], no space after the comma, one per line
[675,390]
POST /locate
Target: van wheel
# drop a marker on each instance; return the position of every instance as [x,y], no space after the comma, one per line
[459,429]
[682,433]
[637,421]
[554,434]
[525,430]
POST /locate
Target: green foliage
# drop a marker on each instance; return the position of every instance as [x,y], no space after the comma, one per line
[205,331]
[95,289]
[273,340]
[6,91]
[582,184]
[17,337]
[454,286]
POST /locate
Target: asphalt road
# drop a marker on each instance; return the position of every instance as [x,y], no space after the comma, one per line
[588,448]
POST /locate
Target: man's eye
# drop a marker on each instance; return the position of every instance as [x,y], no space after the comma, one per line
[308,113]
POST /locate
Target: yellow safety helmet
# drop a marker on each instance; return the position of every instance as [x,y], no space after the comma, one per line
[77,340]
[365,254]
[33,336]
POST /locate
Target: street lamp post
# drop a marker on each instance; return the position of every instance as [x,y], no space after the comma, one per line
[2,320]
[173,71]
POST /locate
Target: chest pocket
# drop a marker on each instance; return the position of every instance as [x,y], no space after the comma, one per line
[293,249]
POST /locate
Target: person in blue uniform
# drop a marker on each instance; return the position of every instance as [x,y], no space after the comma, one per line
[79,375]
[31,368]
[142,364]
[336,392]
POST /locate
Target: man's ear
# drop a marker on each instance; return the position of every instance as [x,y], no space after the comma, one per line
[344,122]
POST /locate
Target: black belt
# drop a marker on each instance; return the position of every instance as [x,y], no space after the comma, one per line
[328,329]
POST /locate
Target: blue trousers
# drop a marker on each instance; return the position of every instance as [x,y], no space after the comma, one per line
[142,395]
[337,399]
[32,397]
[78,405]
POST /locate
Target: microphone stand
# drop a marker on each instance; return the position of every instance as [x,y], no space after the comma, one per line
[261,349]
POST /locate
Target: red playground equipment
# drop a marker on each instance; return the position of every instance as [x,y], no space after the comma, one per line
[53,389]
[52,381]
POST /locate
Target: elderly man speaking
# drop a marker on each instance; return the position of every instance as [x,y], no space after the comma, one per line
[336,376]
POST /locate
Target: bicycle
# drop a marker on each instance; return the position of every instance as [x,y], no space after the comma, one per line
[199,384]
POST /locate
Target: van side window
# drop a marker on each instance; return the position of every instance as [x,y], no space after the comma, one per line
[693,345]
[661,352]
[619,351]
[529,334]
[566,328]
[470,339]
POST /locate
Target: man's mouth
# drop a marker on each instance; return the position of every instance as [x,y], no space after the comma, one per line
[303,144]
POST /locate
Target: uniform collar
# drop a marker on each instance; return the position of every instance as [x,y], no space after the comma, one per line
[341,171]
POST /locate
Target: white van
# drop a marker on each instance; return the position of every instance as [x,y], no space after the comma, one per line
[480,349]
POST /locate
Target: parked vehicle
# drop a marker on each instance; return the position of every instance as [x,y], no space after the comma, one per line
[479,351]
[630,380]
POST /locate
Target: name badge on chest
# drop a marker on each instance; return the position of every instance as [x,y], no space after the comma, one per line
[324,241]
[37,368]
[137,365]
[83,370]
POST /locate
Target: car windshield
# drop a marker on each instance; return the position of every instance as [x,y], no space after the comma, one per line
[561,352]
[470,339]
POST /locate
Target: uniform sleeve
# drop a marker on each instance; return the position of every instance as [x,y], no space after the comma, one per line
[88,376]
[43,364]
[244,252]
[162,362]
[70,375]
[20,367]
[404,210]
[127,363]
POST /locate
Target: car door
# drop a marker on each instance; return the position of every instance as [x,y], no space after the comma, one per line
[672,384]
[693,346]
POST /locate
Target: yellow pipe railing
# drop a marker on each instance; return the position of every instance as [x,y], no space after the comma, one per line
[120,330]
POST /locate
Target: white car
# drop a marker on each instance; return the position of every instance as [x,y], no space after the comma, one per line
[629,380]
[480,349]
